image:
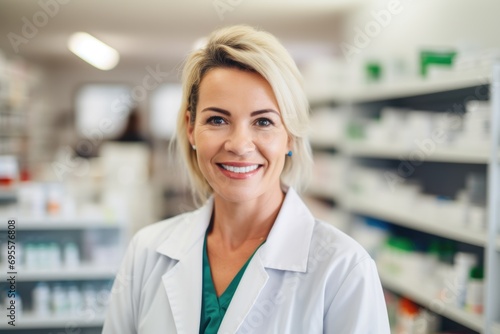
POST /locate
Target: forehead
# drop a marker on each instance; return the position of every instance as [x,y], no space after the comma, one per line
[230,86]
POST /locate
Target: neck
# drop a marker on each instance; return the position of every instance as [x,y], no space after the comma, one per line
[235,224]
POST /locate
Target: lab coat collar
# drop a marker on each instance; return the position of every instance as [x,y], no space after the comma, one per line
[286,248]
[183,283]
[188,232]
[287,245]
[288,242]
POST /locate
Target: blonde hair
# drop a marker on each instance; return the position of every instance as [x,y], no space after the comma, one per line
[248,49]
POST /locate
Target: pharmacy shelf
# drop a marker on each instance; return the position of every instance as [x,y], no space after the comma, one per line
[407,218]
[452,87]
[30,321]
[368,150]
[8,195]
[396,90]
[83,272]
[10,133]
[476,156]
[333,216]
[414,290]
[324,143]
[60,223]
[322,192]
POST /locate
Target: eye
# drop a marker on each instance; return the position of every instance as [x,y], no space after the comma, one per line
[216,120]
[264,122]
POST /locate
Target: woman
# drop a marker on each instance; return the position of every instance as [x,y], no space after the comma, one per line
[252,259]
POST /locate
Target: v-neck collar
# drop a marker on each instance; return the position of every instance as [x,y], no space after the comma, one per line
[225,298]
[214,307]
[287,245]
[286,248]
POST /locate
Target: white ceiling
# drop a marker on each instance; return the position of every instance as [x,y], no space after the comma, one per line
[153,31]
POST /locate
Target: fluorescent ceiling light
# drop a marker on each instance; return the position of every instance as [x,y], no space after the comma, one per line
[200,43]
[93,51]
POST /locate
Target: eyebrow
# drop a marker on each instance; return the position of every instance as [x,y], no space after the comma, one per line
[254,113]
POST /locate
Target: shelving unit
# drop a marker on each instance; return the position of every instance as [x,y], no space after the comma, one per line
[417,291]
[421,222]
[331,194]
[87,272]
[61,223]
[388,91]
[84,271]
[98,237]
[29,321]
[492,302]
[16,84]
[438,155]
[423,91]
[366,150]
[7,195]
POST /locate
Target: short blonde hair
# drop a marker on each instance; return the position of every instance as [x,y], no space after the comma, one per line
[246,48]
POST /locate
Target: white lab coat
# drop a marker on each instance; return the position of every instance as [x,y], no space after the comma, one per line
[307,278]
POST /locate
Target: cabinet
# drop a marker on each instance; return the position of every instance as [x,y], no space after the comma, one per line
[25,117]
[17,82]
[76,280]
[413,159]
[68,240]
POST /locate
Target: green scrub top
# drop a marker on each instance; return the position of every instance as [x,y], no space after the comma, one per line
[214,308]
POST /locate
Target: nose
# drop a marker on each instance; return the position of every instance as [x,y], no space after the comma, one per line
[239,141]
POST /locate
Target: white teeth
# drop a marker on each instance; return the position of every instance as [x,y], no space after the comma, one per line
[246,169]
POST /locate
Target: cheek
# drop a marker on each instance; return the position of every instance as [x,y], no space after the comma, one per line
[204,143]
[205,153]
[204,137]
[267,139]
[208,144]
[273,145]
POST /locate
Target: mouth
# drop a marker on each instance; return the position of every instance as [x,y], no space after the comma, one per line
[240,170]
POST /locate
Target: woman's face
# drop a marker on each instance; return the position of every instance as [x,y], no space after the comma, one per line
[241,142]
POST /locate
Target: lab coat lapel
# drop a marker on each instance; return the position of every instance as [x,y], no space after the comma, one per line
[183,283]
[288,242]
[286,248]
[245,296]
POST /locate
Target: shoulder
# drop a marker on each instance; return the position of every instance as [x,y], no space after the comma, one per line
[153,234]
[159,242]
[334,249]
[321,243]
[335,239]
[173,237]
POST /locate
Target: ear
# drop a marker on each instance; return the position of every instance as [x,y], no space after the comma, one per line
[289,143]
[189,128]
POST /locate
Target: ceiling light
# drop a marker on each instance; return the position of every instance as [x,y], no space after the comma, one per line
[200,43]
[93,51]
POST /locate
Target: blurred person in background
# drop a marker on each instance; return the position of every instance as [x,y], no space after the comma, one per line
[252,258]
[127,165]
[132,131]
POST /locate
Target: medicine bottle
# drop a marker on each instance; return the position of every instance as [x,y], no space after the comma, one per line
[475,291]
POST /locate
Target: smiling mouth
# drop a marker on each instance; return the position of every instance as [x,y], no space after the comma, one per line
[240,170]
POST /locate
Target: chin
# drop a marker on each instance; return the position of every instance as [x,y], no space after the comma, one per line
[238,194]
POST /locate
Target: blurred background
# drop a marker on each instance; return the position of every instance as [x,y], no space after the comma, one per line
[404,135]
